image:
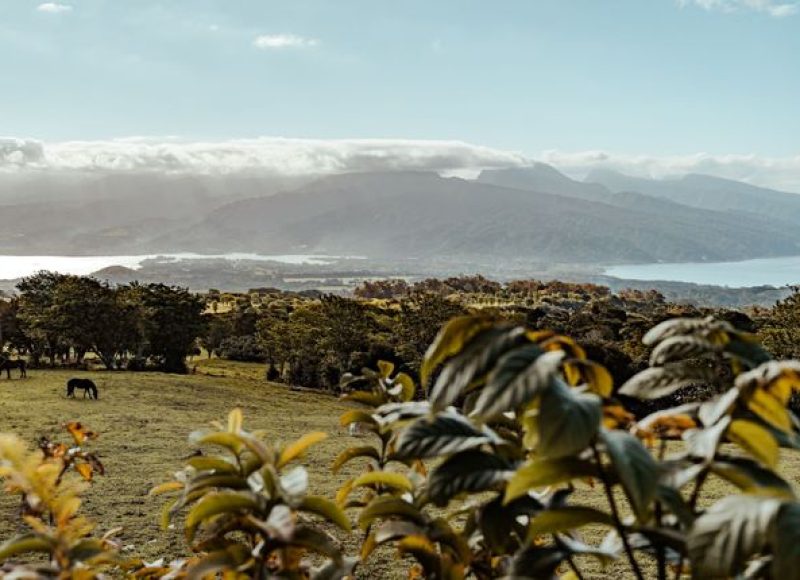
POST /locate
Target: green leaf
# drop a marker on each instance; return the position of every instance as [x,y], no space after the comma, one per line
[206,480]
[24,544]
[352,453]
[657,382]
[729,533]
[383,478]
[785,541]
[395,529]
[316,541]
[444,434]
[424,551]
[204,463]
[566,518]
[677,348]
[230,441]
[539,473]
[326,509]
[685,326]
[450,340]
[638,472]
[214,504]
[383,507]
[472,364]
[468,471]
[751,477]
[219,561]
[567,421]
[536,562]
[499,523]
[519,377]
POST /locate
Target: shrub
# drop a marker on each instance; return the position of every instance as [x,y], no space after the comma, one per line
[516,419]
[247,513]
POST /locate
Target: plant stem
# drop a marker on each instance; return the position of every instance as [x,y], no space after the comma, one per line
[615,513]
[698,484]
[570,559]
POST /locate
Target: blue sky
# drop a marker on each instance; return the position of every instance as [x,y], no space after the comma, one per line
[649,77]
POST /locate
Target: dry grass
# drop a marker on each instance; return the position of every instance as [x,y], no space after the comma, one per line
[144,420]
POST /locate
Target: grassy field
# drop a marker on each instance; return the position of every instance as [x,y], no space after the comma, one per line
[144,419]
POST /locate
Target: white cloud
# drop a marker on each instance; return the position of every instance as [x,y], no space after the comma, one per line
[280,41]
[54,8]
[266,155]
[774,8]
[273,155]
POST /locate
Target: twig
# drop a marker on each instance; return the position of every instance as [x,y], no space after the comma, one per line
[615,513]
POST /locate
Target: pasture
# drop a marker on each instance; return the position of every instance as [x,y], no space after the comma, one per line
[144,420]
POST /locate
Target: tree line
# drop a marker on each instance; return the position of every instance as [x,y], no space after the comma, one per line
[58,317]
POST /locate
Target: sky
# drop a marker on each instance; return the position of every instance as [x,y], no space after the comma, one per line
[653,86]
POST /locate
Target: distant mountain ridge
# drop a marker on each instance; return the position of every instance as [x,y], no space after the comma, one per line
[533,213]
[427,216]
[707,192]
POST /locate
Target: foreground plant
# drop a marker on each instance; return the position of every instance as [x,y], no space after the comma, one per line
[247,512]
[516,420]
[50,502]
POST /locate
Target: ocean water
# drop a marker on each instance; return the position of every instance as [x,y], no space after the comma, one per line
[760,272]
[12,267]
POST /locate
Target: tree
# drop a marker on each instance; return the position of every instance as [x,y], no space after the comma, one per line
[171,320]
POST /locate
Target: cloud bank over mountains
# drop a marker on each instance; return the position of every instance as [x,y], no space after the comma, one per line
[282,156]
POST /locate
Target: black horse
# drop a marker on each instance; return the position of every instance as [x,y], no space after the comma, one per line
[85,384]
[6,364]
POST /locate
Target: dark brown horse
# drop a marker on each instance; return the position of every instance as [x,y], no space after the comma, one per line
[6,364]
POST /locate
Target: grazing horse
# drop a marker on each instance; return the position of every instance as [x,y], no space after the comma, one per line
[6,364]
[85,384]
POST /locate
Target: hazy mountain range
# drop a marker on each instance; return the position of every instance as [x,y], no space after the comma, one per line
[532,213]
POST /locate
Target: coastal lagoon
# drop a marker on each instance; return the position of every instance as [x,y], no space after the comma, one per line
[760,272]
[13,267]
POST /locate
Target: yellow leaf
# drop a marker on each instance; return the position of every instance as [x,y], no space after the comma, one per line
[416,544]
[409,388]
[396,481]
[344,491]
[450,340]
[85,470]
[756,440]
[385,368]
[235,420]
[565,343]
[356,416]
[328,510]
[166,487]
[80,432]
[771,409]
[368,546]
[296,449]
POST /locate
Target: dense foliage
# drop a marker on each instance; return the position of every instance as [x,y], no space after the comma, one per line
[57,315]
[481,478]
